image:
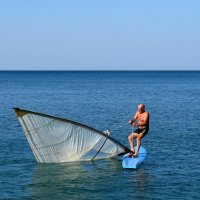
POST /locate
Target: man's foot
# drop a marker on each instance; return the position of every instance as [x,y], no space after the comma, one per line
[131,154]
[132,150]
[135,155]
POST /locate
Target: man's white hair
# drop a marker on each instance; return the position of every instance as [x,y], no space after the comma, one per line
[141,106]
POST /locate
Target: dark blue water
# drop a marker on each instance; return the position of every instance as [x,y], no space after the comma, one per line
[104,100]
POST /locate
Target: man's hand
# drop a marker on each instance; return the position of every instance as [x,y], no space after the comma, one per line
[130,122]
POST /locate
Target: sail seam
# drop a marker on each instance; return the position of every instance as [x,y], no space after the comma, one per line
[58,142]
[65,157]
[39,127]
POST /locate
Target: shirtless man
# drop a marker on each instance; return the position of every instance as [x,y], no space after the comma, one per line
[142,117]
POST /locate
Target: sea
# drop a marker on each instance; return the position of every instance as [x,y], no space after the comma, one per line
[104,100]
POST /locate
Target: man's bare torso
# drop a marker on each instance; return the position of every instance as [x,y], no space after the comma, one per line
[143,118]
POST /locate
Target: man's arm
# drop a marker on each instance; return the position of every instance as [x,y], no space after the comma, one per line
[134,118]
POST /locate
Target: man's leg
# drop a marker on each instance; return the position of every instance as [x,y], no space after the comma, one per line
[139,138]
[130,139]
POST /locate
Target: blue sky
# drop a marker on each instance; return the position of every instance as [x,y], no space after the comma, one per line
[99,35]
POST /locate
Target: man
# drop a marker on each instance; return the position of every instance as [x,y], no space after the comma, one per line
[142,118]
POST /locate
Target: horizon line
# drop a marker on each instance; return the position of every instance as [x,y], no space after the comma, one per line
[93,70]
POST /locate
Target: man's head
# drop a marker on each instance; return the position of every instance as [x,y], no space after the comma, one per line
[141,108]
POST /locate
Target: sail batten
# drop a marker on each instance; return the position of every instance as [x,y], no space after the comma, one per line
[53,139]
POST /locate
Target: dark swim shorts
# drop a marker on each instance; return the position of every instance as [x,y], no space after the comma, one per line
[144,131]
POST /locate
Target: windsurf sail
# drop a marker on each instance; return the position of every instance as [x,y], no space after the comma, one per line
[54,140]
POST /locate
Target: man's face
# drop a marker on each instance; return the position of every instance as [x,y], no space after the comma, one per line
[140,109]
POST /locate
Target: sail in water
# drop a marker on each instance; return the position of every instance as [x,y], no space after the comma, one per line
[54,140]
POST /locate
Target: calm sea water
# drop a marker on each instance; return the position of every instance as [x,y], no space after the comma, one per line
[104,100]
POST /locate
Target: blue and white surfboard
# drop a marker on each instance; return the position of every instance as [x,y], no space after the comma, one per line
[134,162]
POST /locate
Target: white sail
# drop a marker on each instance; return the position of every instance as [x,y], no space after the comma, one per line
[55,140]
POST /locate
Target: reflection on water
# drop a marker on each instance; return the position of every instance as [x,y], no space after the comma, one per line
[87,180]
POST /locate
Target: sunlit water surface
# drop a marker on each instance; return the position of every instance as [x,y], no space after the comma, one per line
[104,100]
